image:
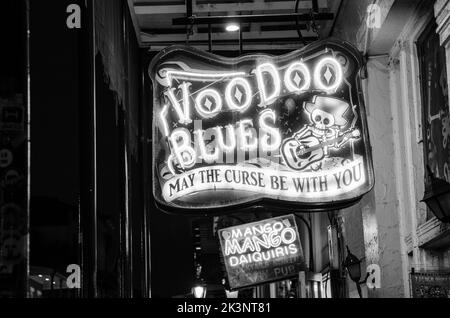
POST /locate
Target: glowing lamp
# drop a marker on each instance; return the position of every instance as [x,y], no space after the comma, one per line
[232,27]
[437,197]
[232,294]
[199,290]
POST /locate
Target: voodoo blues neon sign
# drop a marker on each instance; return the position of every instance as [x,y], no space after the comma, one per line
[260,128]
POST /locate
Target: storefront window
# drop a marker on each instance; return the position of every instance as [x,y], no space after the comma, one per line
[436,117]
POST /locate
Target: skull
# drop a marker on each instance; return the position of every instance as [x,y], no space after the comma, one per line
[322,120]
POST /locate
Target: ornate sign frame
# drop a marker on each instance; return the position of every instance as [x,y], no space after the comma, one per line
[259,130]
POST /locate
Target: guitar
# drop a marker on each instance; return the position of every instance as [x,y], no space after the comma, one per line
[300,153]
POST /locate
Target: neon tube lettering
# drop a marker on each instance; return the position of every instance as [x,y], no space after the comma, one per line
[246,131]
[271,133]
[288,80]
[163,120]
[239,81]
[183,114]
[273,72]
[189,75]
[231,137]
[181,144]
[205,107]
[338,74]
[284,238]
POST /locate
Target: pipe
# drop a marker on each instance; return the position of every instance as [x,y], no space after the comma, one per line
[335,20]
[308,226]
[88,155]
[297,24]
[209,38]
[252,18]
[240,40]
[315,6]
[188,8]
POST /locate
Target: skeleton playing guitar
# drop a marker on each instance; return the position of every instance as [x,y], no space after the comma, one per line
[300,153]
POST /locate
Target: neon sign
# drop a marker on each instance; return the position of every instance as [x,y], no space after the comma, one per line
[262,252]
[259,128]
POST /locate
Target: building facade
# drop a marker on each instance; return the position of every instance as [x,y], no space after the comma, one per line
[407,95]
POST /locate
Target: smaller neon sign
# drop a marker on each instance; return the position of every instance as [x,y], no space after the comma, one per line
[262,252]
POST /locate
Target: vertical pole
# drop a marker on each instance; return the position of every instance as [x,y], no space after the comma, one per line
[143,216]
[358,287]
[28,132]
[240,40]
[188,8]
[124,120]
[209,38]
[315,5]
[302,285]
[88,157]
[310,241]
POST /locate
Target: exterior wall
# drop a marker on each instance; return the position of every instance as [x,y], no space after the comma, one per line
[376,218]
[433,248]
[380,221]
[397,236]
[424,242]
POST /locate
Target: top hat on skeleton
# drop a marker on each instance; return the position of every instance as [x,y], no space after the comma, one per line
[334,106]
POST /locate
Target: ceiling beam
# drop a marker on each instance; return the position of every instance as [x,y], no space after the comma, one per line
[247,36]
[148,9]
[232,45]
[257,47]
[252,18]
[219,30]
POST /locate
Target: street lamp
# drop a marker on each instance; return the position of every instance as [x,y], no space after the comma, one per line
[353,266]
[228,292]
[437,197]
[199,289]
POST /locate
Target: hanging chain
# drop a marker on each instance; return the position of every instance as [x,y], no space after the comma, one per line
[313,24]
[190,29]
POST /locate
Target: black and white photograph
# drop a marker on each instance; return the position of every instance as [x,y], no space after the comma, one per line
[216,156]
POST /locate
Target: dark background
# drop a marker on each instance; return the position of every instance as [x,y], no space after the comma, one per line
[55,165]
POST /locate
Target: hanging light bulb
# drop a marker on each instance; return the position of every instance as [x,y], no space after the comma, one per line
[232,27]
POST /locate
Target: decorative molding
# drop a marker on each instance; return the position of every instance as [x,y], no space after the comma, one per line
[433,234]
[393,63]
[442,14]
[409,244]
[439,5]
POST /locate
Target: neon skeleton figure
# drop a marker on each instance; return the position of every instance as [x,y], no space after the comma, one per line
[327,120]
[312,143]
